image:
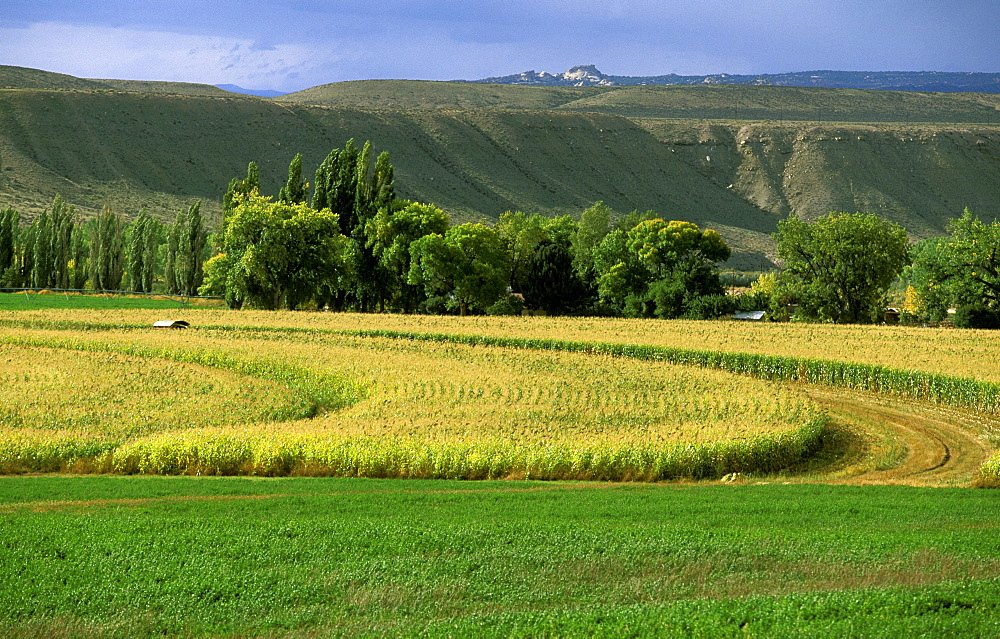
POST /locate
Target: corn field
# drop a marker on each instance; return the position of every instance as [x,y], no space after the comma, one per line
[352,395]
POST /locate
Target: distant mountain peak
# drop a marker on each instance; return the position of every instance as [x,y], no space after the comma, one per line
[583,75]
[933,81]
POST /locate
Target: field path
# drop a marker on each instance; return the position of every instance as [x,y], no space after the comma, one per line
[897,441]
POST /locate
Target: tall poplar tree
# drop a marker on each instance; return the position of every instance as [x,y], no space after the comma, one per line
[241,187]
[294,191]
[144,240]
[78,256]
[186,241]
[9,219]
[62,219]
[107,254]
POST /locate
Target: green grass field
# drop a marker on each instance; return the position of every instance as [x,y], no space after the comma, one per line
[149,556]
[52,301]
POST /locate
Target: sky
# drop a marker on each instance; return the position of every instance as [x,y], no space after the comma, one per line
[289,46]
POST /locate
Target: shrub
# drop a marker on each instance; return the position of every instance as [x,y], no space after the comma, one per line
[711,307]
[507,305]
[977,316]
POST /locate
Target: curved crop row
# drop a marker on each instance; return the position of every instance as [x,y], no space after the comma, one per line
[323,392]
[989,473]
[214,453]
[932,387]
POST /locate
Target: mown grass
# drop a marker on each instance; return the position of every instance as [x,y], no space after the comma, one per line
[112,556]
[34,301]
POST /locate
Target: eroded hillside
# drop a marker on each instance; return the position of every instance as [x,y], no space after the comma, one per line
[918,176]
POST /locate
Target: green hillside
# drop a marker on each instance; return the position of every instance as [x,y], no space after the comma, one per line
[794,104]
[479,150]
[729,102]
[24,78]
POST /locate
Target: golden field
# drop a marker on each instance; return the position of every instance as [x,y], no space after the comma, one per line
[405,408]
[964,353]
[420,409]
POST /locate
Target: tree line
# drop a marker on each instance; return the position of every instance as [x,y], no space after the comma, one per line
[60,250]
[354,245]
[345,241]
[841,267]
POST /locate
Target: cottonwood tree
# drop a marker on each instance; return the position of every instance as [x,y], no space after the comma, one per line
[469,262]
[960,269]
[660,269]
[552,284]
[276,255]
[839,268]
[521,234]
[390,234]
[594,225]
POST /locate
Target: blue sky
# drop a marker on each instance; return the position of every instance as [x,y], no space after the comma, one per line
[295,45]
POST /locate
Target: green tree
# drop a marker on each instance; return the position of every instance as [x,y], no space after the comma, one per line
[63,218]
[553,285]
[79,252]
[24,257]
[660,269]
[9,221]
[840,267]
[107,255]
[241,187]
[560,230]
[348,185]
[278,255]
[294,191]
[383,188]
[935,286]
[336,186]
[187,240]
[53,231]
[594,225]
[469,262]
[191,246]
[521,234]
[144,235]
[390,234]
[961,269]
[41,271]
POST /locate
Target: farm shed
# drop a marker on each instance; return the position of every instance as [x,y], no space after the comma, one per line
[171,324]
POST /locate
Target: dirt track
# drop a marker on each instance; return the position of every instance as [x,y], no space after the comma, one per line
[895,441]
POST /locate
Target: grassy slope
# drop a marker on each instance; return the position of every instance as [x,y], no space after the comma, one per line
[679,102]
[478,150]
